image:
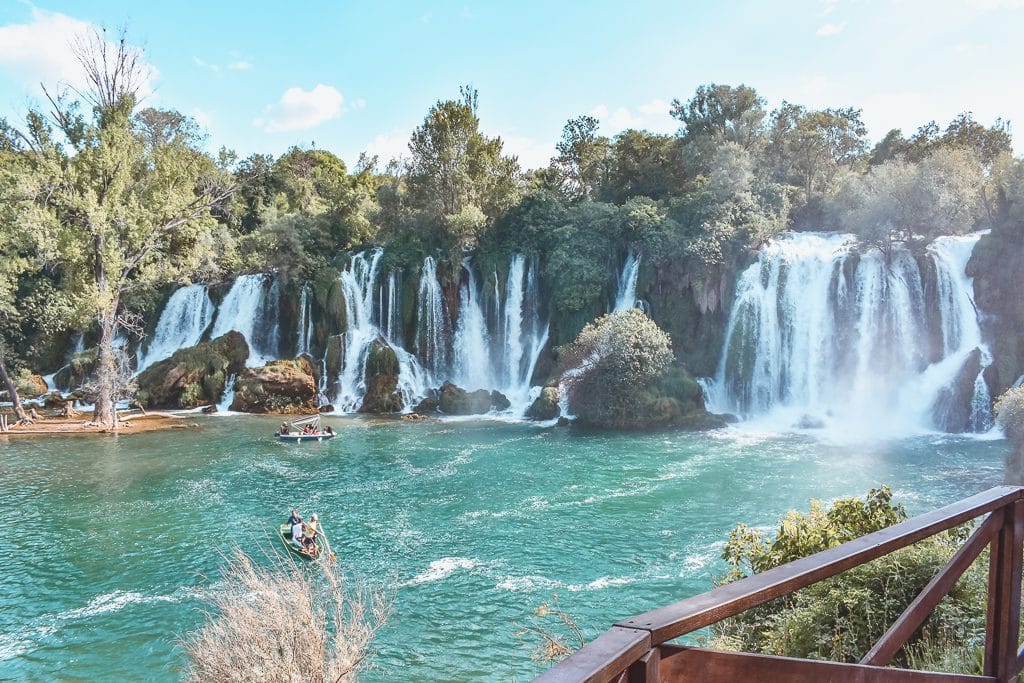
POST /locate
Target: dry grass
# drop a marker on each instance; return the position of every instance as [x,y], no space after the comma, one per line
[285,622]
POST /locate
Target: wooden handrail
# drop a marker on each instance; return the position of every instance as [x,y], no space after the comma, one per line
[629,641]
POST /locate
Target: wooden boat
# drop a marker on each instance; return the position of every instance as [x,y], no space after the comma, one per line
[323,549]
[296,428]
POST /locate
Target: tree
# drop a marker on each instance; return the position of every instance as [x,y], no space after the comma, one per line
[643,165]
[583,162]
[127,197]
[453,166]
[808,148]
[722,113]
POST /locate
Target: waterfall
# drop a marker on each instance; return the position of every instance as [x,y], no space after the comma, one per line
[305,331]
[432,321]
[625,297]
[819,330]
[501,355]
[186,316]
[250,309]
[228,397]
[391,309]
[358,283]
[471,345]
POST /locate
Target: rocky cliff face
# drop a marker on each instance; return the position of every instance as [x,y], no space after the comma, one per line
[195,376]
[281,386]
[997,266]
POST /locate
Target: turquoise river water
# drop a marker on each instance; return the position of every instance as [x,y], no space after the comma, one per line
[471,525]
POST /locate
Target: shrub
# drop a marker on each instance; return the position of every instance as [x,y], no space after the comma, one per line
[841,618]
[284,623]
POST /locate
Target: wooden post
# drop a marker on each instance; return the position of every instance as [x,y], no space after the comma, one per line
[3,423]
[1002,624]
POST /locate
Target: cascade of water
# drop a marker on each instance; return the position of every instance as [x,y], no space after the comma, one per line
[358,283]
[248,308]
[432,321]
[357,289]
[525,336]
[471,344]
[229,395]
[625,297]
[186,316]
[305,331]
[393,307]
[809,333]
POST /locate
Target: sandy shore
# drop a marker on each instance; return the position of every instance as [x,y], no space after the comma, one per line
[131,423]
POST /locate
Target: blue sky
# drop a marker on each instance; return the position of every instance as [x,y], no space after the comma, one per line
[263,76]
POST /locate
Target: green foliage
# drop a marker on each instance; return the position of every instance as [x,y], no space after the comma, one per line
[841,618]
[1009,409]
[611,363]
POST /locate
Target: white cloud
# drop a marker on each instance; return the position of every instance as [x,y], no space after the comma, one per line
[240,65]
[40,51]
[201,117]
[531,153]
[652,116]
[391,145]
[830,29]
[300,109]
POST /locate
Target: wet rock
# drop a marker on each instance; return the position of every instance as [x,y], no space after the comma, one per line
[563,422]
[195,376]
[810,422]
[210,409]
[499,401]
[454,400]
[328,408]
[545,406]
[428,406]
[280,386]
[381,377]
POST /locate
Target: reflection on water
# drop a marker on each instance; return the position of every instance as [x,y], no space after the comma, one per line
[471,524]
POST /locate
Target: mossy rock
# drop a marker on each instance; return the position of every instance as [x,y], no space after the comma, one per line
[280,386]
[194,376]
[77,371]
[381,377]
[546,405]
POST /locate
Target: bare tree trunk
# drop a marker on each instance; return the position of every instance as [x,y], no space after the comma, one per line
[12,390]
[106,372]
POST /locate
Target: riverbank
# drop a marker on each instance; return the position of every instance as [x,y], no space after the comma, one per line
[131,423]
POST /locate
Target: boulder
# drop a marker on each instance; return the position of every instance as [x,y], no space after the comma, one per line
[454,400]
[381,378]
[545,406]
[209,410]
[193,377]
[428,406]
[28,386]
[499,401]
[808,421]
[280,386]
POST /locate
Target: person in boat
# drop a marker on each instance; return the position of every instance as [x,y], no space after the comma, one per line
[284,429]
[298,539]
[312,528]
[294,518]
[328,430]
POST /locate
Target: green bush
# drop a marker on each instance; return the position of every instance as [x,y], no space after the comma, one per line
[841,618]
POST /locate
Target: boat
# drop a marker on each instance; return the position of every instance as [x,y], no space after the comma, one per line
[296,428]
[323,547]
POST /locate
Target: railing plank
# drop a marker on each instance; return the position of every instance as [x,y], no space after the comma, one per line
[698,665]
[647,669]
[602,659]
[921,607]
[674,620]
[1002,623]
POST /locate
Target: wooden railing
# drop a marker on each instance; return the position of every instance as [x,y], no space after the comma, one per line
[637,651]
